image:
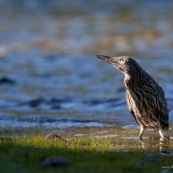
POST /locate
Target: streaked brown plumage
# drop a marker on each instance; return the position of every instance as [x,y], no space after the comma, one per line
[145,98]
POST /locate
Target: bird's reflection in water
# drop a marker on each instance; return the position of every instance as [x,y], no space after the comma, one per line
[153,144]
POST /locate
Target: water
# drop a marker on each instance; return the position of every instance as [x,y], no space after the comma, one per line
[50,76]
[57,93]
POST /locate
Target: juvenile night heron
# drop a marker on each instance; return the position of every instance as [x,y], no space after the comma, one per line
[145,98]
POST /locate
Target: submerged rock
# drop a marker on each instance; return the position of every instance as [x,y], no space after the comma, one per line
[5,80]
[54,137]
[36,102]
[56,162]
[44,103]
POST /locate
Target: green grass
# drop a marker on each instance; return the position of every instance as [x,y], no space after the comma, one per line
[86,155]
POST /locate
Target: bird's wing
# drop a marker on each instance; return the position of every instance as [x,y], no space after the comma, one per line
[130,105]
[160,110]
[155,97]
[149,103]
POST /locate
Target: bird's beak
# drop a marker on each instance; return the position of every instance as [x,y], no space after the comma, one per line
[106,58]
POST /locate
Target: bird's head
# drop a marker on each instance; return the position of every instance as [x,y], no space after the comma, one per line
[123,63]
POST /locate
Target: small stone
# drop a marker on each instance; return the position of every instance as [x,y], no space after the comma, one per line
[148,160]
[54,137]
[56,162]
[169,170]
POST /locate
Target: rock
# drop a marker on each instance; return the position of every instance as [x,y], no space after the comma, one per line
[148,160]
[56,162]
[170,170]
[54,137]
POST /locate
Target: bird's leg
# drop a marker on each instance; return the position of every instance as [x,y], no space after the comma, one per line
[161,132]
[141,132]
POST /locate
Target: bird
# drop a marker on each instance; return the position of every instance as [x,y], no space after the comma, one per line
[145,98]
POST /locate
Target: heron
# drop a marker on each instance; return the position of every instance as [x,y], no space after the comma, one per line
[145,98]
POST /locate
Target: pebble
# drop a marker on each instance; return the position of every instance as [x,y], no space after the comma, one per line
[148,160]
[56,162]
[54,137]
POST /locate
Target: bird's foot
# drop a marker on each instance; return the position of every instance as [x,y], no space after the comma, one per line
[162,139]
[140,139]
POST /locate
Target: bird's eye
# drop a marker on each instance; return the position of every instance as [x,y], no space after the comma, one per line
[121,61]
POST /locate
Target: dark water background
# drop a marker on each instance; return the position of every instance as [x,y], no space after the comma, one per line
[49,75]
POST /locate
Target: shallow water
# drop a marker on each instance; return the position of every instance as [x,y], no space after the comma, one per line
[122,139]
[50,76]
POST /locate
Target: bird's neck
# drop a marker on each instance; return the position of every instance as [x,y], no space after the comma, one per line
[136,80]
